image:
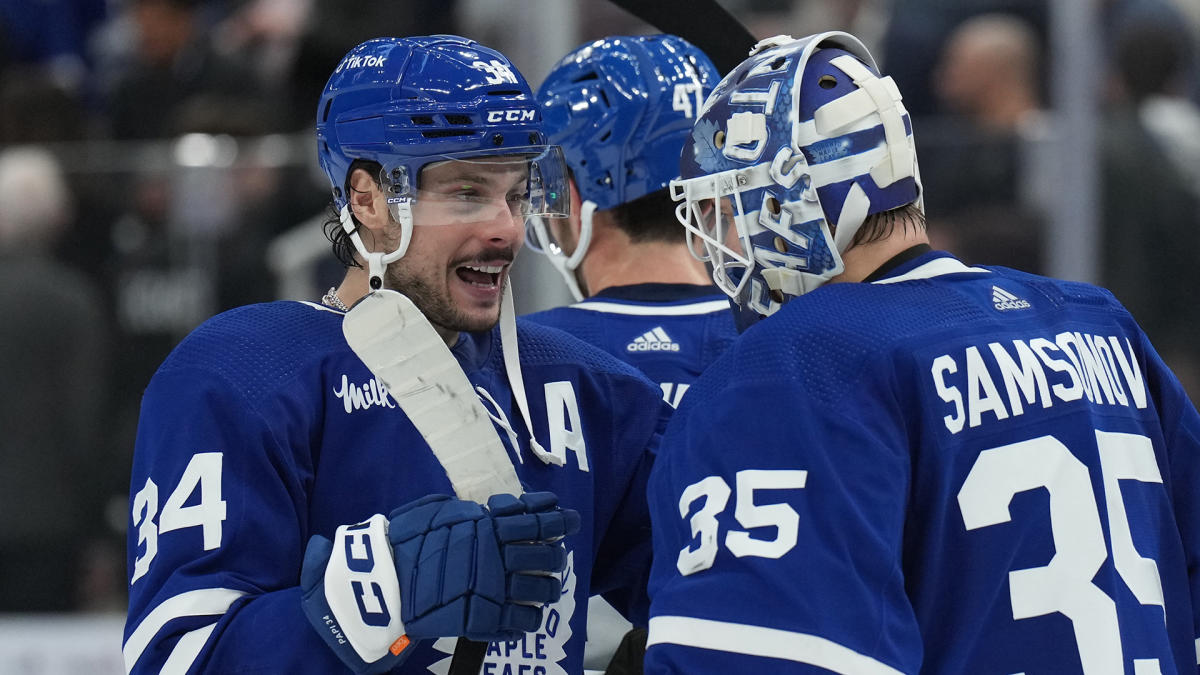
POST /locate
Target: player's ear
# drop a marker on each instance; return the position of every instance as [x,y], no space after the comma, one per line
[367,200]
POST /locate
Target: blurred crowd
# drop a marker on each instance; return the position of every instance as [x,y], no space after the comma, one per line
[155,155]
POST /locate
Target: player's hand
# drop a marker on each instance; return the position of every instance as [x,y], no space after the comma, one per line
[483,573]
[438,566]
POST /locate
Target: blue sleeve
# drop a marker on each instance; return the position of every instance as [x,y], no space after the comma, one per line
[217,533]
[778,524]
[1181,432]
[624,553]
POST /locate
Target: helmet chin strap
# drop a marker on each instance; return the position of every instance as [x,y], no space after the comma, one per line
[377,261]
[516,381]
[566,265]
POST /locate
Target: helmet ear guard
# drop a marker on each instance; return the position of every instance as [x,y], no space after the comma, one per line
[811,141]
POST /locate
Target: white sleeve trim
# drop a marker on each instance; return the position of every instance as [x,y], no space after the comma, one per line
[186,650]
[707,307]
[739,638]
[1198,651]
[202,602]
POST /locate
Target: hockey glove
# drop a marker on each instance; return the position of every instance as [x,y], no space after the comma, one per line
[437,567]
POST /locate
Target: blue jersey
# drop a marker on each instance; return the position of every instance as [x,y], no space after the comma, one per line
[670,332]
[263,428]
[948,470]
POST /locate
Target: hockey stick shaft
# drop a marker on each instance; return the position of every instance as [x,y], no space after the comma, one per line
[704,23]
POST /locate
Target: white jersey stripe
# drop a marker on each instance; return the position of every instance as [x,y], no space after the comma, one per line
[1198,651]
[707,307]
[186,650]
[933,268]
[202,602]
[739,638]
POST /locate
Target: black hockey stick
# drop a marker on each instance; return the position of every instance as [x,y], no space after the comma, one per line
[704,23]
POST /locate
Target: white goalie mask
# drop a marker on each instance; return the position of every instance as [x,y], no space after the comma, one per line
[791,153]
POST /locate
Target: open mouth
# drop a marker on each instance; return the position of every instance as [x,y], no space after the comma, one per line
[484,276]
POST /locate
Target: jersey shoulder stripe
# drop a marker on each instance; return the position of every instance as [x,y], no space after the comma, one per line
[689,309]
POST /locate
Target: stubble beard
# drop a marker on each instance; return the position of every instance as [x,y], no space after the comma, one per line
[437,306]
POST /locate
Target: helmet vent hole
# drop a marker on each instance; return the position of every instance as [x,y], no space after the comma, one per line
[773,207]
[422,119]
[505,92]
[458,119]
[778,63]
[719,139]
[325,114]
[587,76]
[827,82]
[447,133]
[606,136]
[604,95]
[781,244]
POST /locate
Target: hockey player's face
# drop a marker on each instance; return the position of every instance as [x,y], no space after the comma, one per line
[467,229]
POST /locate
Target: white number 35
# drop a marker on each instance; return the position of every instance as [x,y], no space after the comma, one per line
[715,492]
[203,472]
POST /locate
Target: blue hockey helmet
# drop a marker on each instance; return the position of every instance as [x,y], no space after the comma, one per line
[409,102]
[796,146]
[621,108]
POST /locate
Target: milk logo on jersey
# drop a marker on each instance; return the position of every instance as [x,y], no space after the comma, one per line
[1004,301]
[654,340]
[362,396]
[538,653]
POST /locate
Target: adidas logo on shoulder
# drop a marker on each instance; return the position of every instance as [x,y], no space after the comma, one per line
[1003,300]
[655,340]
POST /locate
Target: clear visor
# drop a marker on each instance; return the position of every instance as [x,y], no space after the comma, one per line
[711,211]
[479,187]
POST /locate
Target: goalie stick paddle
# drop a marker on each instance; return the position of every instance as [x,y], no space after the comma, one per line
[400,347]
[704,23]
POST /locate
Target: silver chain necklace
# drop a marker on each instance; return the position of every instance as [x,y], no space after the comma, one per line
[332,300]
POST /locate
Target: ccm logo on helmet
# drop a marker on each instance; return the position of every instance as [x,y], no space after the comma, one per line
[510,115]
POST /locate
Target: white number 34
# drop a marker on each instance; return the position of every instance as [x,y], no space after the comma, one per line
[203,472]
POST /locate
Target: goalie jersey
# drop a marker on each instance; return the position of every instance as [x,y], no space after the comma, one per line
[670,332]
[951,469]
[263,428]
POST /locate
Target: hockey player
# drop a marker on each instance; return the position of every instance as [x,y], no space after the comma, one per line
[285,514]
[621,108]
[910,465]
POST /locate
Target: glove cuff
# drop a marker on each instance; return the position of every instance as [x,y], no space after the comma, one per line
[356,606]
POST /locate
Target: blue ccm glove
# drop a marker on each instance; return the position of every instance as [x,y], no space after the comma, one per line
[439,566]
